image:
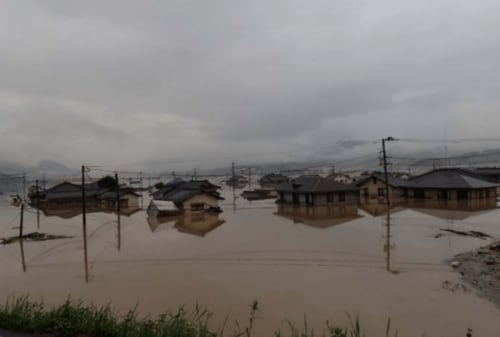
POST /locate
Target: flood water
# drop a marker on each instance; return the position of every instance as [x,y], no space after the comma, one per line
[314,263]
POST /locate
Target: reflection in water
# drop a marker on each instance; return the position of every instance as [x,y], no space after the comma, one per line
[71,212]
[388,247]
[453,209]
[319,216]
[378,208]
[23,259]
[21,224]
[347,263]
[194,223]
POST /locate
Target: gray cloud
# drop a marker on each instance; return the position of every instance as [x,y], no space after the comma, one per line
[180,79]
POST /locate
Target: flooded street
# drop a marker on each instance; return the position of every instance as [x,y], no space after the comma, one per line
[294,263]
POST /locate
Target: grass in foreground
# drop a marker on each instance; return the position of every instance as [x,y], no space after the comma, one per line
[75,319]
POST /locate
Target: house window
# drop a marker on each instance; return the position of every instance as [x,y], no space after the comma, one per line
[480,194]
[487,193]
[381,192]
[198,217]
[309,199]
[443,195]
[462,195]
[199,206]
[341,196]
[366,191]
[329,197]
[374,181]
[419,194]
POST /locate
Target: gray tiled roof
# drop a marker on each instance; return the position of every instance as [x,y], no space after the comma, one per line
[315,184]
[393,181]
[111,195]
[449,179]
[68,190]
[178,196]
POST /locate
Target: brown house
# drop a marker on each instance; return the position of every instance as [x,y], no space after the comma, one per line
[373,189]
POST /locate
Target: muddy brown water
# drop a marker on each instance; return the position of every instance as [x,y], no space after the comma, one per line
[297,263]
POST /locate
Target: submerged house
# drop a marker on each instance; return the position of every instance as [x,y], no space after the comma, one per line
[190,196]
[127,196]
[273,180]
[237,181]
[68,194]
[450,185]
[339,177]
[317,191]
[373,188]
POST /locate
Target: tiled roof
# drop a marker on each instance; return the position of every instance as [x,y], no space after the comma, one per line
[449,179]
[315,184]
[393,181]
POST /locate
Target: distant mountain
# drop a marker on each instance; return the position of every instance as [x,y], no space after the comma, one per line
[11,168]
[10,183]
[468,159]
[49,168]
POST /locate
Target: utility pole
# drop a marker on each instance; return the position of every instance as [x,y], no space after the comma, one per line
[21,221]
[142,191]
[387,201]
[118,209]
[24,186]
[249,177]
[37,196]
[234,185]
[386,176]
[84,225]
[23,260]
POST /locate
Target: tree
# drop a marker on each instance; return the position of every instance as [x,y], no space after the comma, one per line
[107,182]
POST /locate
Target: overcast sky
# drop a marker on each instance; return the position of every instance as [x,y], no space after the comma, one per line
[121,81]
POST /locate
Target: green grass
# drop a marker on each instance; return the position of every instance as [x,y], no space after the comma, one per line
[75,319]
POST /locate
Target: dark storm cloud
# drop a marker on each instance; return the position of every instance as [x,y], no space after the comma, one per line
[193,76]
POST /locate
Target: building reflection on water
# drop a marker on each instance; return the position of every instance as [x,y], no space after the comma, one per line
[199,223]
[454,210]
[72,212]
[376,208]
[448,210]
[202,223]
[319,216]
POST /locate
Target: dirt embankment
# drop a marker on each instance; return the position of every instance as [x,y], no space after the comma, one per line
[481,269]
